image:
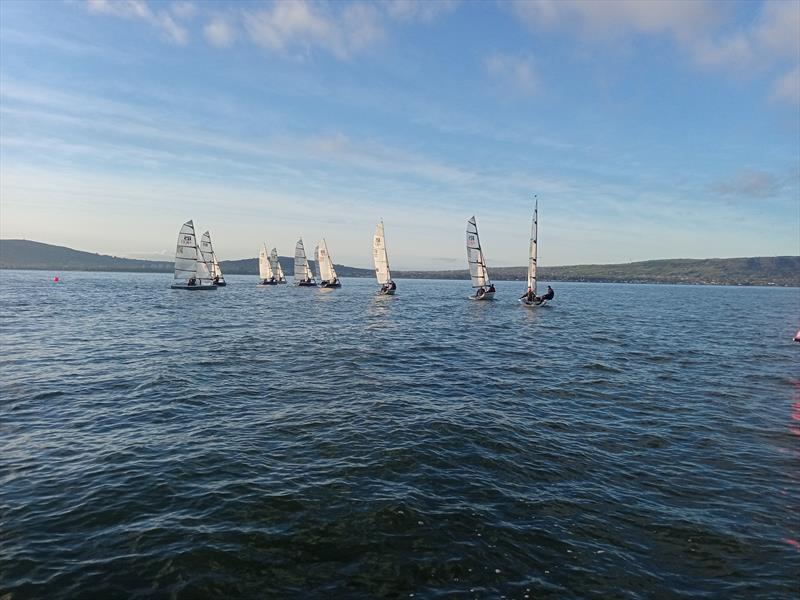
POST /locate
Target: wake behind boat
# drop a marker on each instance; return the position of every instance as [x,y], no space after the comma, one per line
[381,258]
[192,272]
[303,277]
[477,264]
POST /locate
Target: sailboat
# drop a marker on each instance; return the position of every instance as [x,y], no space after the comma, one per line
[477,264]
[265,268]
[302,272]
[381,258]
[530,298]
[327,274]
[192,272]
[277,270]
[207,250]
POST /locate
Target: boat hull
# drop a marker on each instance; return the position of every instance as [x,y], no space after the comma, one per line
[306,284]
[326,284]
[387,293]
[527,304]
[266,283]
[221,284]
[486,296]
[184,286]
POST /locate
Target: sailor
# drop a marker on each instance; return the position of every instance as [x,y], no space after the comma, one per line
[528,296]
[216,279]
[392,286]
[480,293]
[192,281]
[549,295]
[491,288]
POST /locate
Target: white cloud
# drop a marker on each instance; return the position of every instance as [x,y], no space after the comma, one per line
[183,9]
[219,32]
[702,29]
[517,74]
[418,10]
[298,26]
[787,88]
[138,9]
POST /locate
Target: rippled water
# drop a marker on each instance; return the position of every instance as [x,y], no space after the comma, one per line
[629,441]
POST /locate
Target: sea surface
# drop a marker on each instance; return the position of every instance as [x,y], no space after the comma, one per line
[627,441]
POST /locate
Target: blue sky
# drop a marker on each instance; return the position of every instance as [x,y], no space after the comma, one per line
[647,129]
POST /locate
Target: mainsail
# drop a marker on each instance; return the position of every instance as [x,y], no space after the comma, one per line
[532,250]
[317,263]
[186,253]
[477,264]
[208,256]
[276,265]
[325,263]
[302,272]
[380,256]
[264,268]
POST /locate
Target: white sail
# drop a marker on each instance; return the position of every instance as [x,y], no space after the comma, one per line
[317,263]
[302,271]
[381,256]
[532,250]
[276,265]
[325,262]
[208,257]
[477,263]
[186,253]
[264,268]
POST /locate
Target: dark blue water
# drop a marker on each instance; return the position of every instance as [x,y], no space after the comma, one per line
[629,441]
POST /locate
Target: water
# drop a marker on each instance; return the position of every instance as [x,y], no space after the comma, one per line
[629,441]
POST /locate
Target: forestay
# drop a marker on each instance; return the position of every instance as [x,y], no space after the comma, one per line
[381,256]
[477,265]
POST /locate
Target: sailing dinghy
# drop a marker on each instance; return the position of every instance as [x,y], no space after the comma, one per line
[265,271]
[277,270]
[477,264]
[207,251]
[191,271]
[327,274]
[529,298]
[303,276]
[381,258]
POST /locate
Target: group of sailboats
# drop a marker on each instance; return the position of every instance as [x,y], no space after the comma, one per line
[479,273]
[270,271]
[196,266]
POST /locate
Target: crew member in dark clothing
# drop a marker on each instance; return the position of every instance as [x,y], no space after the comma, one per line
[392,286]
[549,295]
[192,281]
[528,296]
[491,288]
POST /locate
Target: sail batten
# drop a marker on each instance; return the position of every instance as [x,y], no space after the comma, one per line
[477,264]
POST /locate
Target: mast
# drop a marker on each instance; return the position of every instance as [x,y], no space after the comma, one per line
[533,249]
[477,264]
[381,256]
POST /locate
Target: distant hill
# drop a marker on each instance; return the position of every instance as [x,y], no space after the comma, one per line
[764,270]
[25,254]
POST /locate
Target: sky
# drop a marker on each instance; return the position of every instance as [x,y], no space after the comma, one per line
[646,129]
